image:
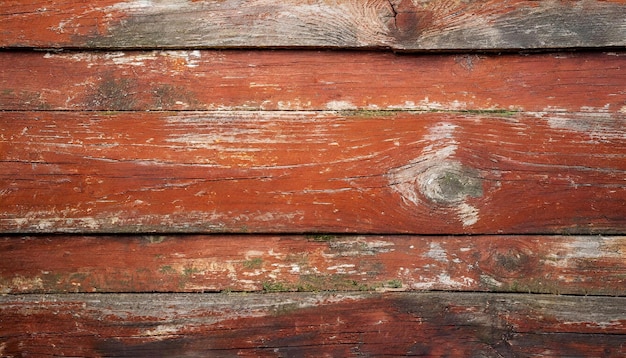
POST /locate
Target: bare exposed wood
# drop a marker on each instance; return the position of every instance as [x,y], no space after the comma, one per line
[396,24]
[433,324]
[539,264]
[301,80]
[312,172]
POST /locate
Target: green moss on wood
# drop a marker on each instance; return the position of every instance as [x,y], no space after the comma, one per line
[275,287]
[321,237]
[167,270]
[254,263]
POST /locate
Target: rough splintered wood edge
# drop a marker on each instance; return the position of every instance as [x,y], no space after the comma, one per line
[304,80]
[312,325]
[396,24]
[294,172]
[539,264]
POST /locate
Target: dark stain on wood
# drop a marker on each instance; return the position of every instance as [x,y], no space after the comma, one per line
[115,94]
[307,324]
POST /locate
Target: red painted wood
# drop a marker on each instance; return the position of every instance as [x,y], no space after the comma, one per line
[425,173]
[588,265]
[301,80]
[396,24]
[312,325]
[541,150]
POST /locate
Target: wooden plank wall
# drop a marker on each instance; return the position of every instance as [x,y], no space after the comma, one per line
[313,178]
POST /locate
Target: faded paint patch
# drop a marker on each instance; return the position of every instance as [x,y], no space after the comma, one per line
[358,246]
[597,124]
[490,281]
[22,284]
[436,252]
[441,281]
[468,214]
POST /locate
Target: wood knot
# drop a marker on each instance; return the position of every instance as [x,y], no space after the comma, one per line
[510,259]
[450,183]
[409,20]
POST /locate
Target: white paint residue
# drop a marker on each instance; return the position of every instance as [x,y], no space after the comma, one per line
[442,281]
[340,105]
[163,331]
[254,84]
[191,58]
[427,105]
[253,253]
[467,214]
[134,5]
[590,109]
[583,248]
[441,131]
[295,269]
[598,125]
[120,58]
[490,281]
[342,269]
[436,252]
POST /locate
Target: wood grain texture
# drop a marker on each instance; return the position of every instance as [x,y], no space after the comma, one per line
[587,265]
[396,24]
[422,173]
[307,325]
[303,80]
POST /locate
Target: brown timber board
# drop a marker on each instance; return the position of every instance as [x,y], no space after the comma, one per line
[303,80]
[312,325]
[396,24]
[381,172]
[540,264]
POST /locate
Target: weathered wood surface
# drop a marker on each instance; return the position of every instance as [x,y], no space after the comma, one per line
[588,265]
[395,24]
[381,172]
[307,325]
[302,80]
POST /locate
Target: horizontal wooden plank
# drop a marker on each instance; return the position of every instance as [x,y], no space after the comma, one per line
[395,24]
[301,80]
[539,264]
[306,325]
[362,172]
